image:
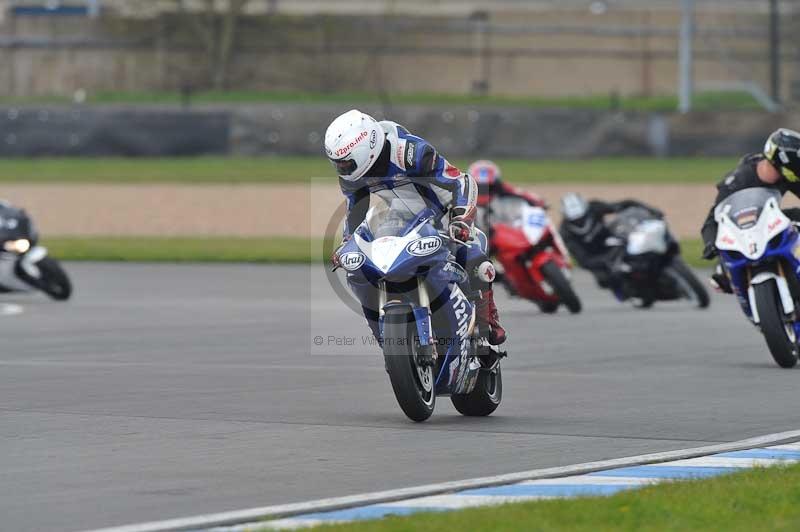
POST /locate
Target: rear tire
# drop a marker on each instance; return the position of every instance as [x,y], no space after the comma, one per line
[561,286]
[691,280]
[773,325]
[485,398]
[415,394]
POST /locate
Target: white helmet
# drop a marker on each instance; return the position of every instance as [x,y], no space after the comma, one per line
[353,142]
[573,206]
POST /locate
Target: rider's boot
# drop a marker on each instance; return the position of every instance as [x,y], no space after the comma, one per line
[719,280]
[488,320]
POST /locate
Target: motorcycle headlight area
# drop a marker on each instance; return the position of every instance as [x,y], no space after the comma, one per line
[17,246]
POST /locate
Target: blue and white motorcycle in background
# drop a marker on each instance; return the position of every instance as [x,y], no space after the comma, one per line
[399,261]
[25,266]
[758,247]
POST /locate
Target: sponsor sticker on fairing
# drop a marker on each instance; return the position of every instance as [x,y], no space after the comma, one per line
[422,247]
[352,260]
[463,313]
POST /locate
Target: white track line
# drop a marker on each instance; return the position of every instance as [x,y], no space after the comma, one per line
[11,309]
[325,505]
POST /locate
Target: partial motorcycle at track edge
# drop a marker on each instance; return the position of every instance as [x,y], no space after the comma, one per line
[25,266]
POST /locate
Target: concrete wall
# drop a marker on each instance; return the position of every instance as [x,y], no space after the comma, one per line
[546,53]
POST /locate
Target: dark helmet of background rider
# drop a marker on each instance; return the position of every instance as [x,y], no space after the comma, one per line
[783,151]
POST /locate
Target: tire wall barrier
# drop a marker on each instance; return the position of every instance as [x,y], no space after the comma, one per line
[459,131]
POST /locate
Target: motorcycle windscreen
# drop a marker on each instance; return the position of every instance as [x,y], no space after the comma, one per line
[744,207]
[393,218]
[627,220]
[519,214]
[506,211]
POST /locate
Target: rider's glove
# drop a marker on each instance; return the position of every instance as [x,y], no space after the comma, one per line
[461,221]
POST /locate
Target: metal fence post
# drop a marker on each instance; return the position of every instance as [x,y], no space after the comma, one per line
[774,51]
[685,57]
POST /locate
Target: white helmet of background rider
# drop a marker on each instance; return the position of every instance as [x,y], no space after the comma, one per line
[573,206]
[353,142]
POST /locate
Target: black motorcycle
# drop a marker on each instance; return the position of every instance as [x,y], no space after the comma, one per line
[24,265]
[648,261]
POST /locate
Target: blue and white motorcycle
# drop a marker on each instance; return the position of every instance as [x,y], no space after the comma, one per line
[420,296]
[759,249]
[25,266]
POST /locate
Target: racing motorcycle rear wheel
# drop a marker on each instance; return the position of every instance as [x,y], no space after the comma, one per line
[777,330]
[561,286]
[484,398]
[413,384]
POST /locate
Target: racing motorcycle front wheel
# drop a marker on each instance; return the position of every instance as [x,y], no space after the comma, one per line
[412,383]
[688,283]
[561,286]
[54,281]
[778,331]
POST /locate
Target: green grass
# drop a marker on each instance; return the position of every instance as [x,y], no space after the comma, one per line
[219,249]
[288,169]
[663,103]
[692,251]
[756,499]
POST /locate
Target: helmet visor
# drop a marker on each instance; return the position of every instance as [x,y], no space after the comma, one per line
[344,166]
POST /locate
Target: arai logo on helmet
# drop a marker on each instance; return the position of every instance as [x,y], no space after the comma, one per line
[427,245]
[352,260]
[373,139]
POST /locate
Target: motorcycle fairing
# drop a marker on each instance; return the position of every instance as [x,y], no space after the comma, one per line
[649,236]
[752,242]
[747,249]
[388,259]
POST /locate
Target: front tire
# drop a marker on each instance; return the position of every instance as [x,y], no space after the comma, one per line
[413,386]
[781,342]
[484,398]
[548,307]
[690,282]
[54,280]
[561,286]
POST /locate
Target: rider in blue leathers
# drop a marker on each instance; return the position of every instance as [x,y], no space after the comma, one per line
[383,158]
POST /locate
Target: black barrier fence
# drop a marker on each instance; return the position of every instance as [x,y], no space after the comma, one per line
[458,131]
[75,131]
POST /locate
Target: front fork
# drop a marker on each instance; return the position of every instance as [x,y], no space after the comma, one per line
[784,293]
[422,317]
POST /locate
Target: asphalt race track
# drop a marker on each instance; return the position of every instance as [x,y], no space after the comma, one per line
[162,391]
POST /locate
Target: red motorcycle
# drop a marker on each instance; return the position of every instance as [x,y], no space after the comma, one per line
[534,262]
